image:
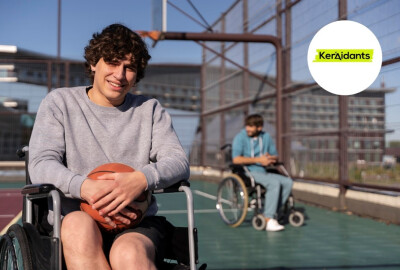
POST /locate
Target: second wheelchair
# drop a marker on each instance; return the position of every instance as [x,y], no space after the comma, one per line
[239,192]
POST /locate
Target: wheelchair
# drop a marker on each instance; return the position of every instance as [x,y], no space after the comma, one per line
[36,245]
[238,193]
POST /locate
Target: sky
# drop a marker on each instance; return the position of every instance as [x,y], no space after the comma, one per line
[32,25]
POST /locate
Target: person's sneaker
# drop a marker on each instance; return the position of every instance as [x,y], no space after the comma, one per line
[274,226]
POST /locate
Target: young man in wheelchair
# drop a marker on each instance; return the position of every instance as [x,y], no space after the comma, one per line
[255,149]
[80,128]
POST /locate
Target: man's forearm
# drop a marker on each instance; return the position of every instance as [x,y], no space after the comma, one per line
[245,160]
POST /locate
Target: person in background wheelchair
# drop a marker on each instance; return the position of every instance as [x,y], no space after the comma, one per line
[255,149]
[80,128]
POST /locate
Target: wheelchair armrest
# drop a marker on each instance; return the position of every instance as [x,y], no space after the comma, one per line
[174,188]
[36,189]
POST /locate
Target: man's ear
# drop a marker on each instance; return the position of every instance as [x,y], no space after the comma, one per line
[259,128]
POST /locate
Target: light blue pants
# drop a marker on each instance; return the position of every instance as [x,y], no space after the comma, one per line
[278,191]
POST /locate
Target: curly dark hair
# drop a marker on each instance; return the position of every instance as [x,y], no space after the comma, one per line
[114,43]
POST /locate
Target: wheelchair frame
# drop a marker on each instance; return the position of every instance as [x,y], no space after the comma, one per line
[34,192]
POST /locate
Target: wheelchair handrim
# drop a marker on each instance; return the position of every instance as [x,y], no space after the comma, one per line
[232,200]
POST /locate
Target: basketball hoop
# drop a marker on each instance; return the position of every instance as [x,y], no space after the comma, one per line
[154,35]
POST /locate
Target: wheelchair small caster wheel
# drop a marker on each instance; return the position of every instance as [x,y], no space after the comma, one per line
[258,222]
[296,219]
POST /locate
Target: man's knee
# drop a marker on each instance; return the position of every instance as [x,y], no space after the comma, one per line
[132,249]
[287,183]
[78,225]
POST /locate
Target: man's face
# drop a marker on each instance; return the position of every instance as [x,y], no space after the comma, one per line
[253,131]
[112,81]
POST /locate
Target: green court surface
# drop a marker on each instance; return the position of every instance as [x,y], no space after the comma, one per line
[328,240]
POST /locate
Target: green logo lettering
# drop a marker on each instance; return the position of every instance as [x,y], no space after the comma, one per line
[344,55]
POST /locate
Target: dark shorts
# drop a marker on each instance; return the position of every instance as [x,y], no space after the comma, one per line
[154,227]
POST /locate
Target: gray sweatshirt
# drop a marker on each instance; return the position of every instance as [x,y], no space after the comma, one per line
[73,135]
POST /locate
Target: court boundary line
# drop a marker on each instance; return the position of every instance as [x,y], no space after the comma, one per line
[204,194]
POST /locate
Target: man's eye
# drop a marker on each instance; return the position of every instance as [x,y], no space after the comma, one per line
[130,68]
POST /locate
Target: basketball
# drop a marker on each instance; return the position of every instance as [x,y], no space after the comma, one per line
[142,202]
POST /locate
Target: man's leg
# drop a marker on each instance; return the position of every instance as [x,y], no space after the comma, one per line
[273,191]
[140,247]
[82,242]
[132,251]
[286,187]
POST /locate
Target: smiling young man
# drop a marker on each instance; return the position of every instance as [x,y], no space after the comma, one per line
[77,129]
[255,149]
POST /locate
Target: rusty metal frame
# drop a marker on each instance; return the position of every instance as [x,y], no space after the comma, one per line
[246,37]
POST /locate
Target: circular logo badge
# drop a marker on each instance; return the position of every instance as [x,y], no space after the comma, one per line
[344,57]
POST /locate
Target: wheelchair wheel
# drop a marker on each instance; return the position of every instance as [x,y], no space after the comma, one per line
[258,222]
[296,218]
[14,250]
[232,200]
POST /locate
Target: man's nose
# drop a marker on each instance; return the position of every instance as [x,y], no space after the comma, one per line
[119,72]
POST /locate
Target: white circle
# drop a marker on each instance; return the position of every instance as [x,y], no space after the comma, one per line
[344,77]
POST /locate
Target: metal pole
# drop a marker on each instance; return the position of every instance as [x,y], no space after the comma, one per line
[203,108]
[222,98]
[246,80]
[287,100]
[343,129]
[164,15]
[58,43]
[191,225]
[59,31]
[279,103]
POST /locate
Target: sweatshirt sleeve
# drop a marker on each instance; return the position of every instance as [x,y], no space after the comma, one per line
[47,149]
[169,162]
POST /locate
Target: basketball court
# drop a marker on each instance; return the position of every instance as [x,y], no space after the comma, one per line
[328,240]
[10,204]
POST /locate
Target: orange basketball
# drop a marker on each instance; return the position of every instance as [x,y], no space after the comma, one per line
[142,202]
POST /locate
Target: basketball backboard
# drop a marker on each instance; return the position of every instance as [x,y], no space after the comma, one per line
[159,15]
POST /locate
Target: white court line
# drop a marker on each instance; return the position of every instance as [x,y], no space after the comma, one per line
[202,211]
[17,217]
[209,196]
[205,195]
[6,216]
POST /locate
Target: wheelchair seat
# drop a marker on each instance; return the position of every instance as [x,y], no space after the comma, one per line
[36,244]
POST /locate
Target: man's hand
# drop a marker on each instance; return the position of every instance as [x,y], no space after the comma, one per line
[111,197]
[126,215]
[267,159]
